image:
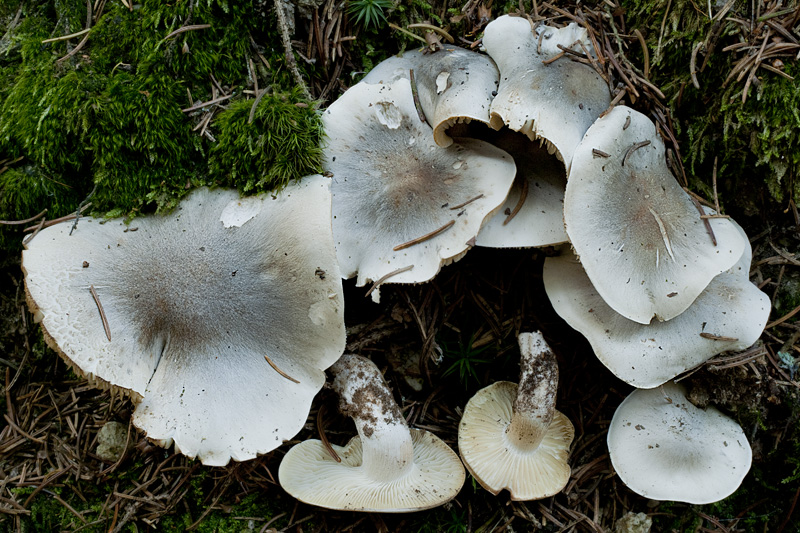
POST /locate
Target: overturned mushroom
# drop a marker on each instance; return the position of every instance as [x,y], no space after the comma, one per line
[665,448]
[638,234]
[543,92]
[403,206]
[511,437]
[221,316]
[454,86]
[386,468]
[533,213]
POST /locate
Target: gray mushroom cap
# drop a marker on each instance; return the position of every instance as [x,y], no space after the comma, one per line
[194,301]
[729,314]
[555,101]
[638,234]
[454,85]
[665,448]
[393,185]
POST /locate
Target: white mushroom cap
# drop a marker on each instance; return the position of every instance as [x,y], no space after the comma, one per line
[194,301]
[729,314]
[511,437]
[665,448]
[393,185]
[387,468]
[637,233]
[555,101]
[539,219]
[454,85]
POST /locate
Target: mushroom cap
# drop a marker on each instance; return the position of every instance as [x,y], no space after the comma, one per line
[638,234]
[194,301]
[645,356]
[454,85]
[310,474]
[556,101]
[392,185]
[496,462]
[539,221]
[665,448]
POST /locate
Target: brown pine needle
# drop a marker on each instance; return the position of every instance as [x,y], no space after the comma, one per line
[415,95]
[323,438]
[187,28]
[18,222]
[522,197]
[718,337]
[462,204]
[279,371]
[707,224]
[599,153]
[424,238]
[633,149]
[102,313]
[387,276]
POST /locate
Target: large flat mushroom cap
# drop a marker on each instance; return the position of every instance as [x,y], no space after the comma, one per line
[556,101]
[665,448]
[729,314]
[454,85]
[392,185]
[497,463]
[310,474]
[194,301]
[637,233]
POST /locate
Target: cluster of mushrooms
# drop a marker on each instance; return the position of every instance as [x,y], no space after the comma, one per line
[220,319]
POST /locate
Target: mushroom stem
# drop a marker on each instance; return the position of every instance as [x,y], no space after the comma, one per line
[365,397]
[534,405]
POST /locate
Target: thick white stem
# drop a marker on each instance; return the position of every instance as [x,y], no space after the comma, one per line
[536,394]
[365,397]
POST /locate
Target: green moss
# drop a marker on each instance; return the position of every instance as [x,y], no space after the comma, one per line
[281,143]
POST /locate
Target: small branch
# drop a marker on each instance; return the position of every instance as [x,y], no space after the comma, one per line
[288,52]
[17,222]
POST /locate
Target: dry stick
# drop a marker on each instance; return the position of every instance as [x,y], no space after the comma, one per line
[57,220]
[718,337]
[415,95]
[37,229]
[288,52]
[424,238]
[707,224]
[187,28]
[522,197]
[433,28]
[387,276]
[17,222]
[102,313]
[633,148]
[279,371]
[462,204]
[323,438]
[714,184]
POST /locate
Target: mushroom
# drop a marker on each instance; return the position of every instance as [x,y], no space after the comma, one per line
[533,213]
[511,437]
[386,468]
[665,448]
[543,93]
[454,86]
[729,314]
[638,234]
[218,319]
[403,206]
